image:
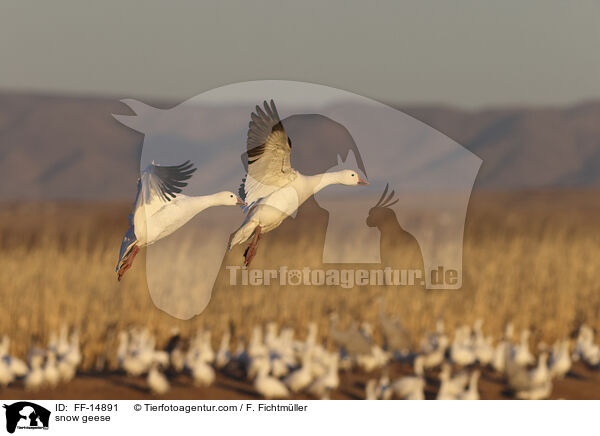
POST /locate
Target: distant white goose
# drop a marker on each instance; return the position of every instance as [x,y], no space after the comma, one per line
[431,341]
[535,384]
[377,358]
[502,351]
[302,377]
[461,350]
[201,349]
[73,352]
[256,363]
[560,360]
[223,354]
[256,347]
[157,381]
[384,389]
[122,348]
[203,374]
[521,354]
[471,393]
[177,359]
[279,367]
[539,392]
[35,378]
[51,373]
[272,188]
[270,387]
[159,208]
[6,375]
[66,371]
[62,343]
[541,373]
[451,387]
[435,357]
[484,351]
[12,364]
[282,364]
[328,382]
[136,352]
[68,355]
[418,393]
[586,349]
[500,355]
[370,390]
[271,338]
[411,387]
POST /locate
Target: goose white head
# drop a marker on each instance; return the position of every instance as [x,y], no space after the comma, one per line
[228,198]
[350,178]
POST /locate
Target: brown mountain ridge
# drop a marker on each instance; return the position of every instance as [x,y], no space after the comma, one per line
[54,147]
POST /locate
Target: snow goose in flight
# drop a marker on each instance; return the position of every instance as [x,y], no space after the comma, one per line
[159,208]
[272,189]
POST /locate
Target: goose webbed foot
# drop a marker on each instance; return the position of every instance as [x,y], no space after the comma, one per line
[128,262]
[251,250]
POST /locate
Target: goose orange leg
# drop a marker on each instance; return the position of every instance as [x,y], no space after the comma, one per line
[251,250]
[128,262]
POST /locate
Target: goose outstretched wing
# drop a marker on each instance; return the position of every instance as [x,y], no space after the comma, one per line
[267,159]
[158,182]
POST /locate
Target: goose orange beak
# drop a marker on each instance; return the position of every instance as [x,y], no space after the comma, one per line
[362,181]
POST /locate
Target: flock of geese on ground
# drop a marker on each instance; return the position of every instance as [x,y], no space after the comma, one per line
[47,367]
[280,365]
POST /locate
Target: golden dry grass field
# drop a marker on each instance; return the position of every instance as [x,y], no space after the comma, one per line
[530,258]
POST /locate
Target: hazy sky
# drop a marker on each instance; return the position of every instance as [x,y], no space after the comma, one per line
[467,53]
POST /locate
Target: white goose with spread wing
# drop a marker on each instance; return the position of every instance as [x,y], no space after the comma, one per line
[272,189]
[159,208]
